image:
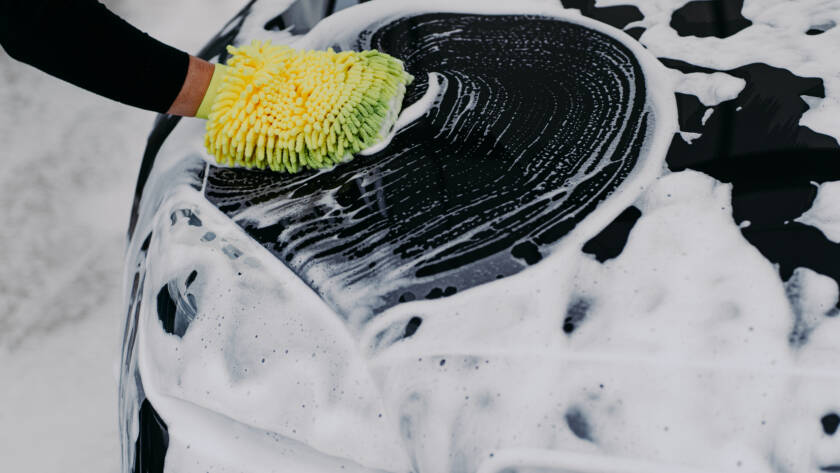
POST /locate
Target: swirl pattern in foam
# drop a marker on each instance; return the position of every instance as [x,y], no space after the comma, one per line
[539,119]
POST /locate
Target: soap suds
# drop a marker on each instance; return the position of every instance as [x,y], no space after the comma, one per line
[692,338]
[824,214]
[710,89]
[813,299]
[708,113]
[689,136]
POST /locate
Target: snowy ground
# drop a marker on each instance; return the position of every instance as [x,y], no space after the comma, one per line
[70,162]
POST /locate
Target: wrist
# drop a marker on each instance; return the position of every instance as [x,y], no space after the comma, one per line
[196,83]
[212,91]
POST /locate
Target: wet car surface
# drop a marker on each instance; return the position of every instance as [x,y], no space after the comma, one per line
[453,204]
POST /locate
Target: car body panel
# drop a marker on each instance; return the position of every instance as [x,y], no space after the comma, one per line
[683,322]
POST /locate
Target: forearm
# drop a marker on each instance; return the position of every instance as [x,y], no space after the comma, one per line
[80,41]
[192,91]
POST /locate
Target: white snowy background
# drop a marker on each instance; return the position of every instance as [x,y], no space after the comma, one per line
[69,166]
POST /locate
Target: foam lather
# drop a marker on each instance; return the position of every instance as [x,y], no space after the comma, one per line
[285,109]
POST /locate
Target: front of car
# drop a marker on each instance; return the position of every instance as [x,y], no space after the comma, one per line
[576,260]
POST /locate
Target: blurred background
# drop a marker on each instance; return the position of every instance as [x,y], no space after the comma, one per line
[69,166]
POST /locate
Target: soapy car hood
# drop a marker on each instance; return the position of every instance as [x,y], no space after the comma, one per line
[580,258]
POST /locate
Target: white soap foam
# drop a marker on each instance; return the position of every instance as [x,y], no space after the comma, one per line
[681,358]
[813,299]
[260,335]
[706,115]
[710,89]
[689,136]
[824,214]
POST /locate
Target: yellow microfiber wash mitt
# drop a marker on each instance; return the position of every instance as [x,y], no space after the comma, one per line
[284,109]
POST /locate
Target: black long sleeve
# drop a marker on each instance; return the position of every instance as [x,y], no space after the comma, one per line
[82,42]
